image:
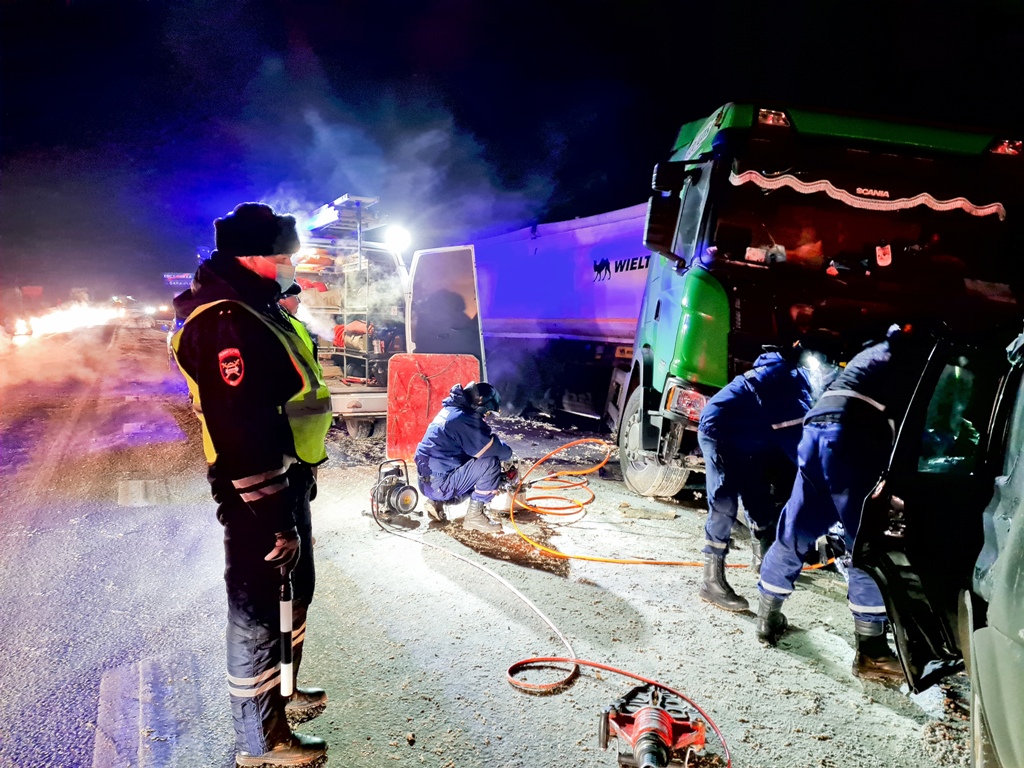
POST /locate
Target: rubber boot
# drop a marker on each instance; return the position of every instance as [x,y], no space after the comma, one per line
[716,589]
[875,659]
[305,704]
[477,520]
[759,544]
[770,621]
[297,750]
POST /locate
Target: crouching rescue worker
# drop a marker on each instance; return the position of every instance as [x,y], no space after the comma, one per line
[846,442]
[459,455]
[259,393]
[747,432]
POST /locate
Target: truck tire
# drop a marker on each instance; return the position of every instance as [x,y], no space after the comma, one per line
[360,428]
[642,476]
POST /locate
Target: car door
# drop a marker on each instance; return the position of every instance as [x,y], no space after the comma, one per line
[444,304]
[921,528]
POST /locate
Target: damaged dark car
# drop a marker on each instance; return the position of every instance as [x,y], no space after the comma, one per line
[943,535]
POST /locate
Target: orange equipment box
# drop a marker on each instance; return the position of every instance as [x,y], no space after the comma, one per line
[416,386]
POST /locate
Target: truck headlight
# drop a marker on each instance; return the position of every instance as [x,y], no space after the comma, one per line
[685,401]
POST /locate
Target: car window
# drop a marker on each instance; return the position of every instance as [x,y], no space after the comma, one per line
[695,193]
[950,441]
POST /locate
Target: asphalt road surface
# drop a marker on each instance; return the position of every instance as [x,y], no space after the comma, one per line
[114,610]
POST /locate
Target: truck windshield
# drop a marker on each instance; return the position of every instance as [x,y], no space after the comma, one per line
[814,230]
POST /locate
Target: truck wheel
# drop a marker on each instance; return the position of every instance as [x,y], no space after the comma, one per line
[360,428]
[643,476]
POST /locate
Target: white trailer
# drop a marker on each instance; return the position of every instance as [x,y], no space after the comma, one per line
[559,304]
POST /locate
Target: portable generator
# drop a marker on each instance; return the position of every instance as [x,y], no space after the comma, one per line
[393,494]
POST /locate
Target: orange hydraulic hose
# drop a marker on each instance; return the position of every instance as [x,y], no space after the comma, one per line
[519,666]
[574,506]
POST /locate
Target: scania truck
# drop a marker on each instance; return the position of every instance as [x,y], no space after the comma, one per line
[770,222]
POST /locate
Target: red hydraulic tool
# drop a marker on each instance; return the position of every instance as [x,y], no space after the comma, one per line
[654,725]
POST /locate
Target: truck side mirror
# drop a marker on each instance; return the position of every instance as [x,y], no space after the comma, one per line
[661,224]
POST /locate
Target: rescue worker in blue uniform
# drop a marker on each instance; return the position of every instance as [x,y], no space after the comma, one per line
[847,438]
[459,455]
[259,393]
[743,432]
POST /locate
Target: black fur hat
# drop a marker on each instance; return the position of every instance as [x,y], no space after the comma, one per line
[253,229]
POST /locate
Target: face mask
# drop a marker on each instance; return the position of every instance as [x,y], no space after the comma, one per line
[270,268]
[284,274]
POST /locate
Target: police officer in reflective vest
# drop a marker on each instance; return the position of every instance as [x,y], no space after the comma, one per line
[744,431]
[259,393]
[459,455]
[847,438]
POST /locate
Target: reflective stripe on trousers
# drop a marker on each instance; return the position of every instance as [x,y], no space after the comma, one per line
[253,592]
[479,477]
[836,473]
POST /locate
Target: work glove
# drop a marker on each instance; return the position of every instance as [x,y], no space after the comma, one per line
[285,553]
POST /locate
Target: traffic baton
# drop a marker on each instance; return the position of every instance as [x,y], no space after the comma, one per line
[287,673]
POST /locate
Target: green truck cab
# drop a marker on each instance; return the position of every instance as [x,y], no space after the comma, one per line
[770,222]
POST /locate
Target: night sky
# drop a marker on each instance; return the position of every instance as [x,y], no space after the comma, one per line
[129,126]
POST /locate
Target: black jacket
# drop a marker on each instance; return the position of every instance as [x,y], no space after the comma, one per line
[244,376]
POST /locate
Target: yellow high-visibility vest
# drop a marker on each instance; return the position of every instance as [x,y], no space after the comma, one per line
[308,410]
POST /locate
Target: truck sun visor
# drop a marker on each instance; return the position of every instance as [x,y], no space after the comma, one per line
[872,203]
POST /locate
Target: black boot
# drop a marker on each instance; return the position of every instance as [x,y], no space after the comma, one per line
[477,520]
[770,621]
[875,659]
[305,704]
[716,589]
[297,750]
[760,541]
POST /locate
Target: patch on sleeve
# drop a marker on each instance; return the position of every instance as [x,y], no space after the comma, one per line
[232,369]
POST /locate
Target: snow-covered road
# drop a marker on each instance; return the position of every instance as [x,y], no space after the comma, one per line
[114,608]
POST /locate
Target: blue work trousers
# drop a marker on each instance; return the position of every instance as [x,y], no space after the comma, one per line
[479,477]
[836,471]
[732,473]
[253,633]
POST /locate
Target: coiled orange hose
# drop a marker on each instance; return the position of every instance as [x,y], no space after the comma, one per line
[558,480]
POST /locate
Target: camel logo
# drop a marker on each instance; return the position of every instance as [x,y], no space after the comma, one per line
[603,269]
[873,192]
[231,367]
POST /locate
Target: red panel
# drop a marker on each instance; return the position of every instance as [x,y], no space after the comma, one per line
[416,386]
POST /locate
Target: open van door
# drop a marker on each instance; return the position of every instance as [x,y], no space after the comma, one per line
[444,316]
[921,528]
